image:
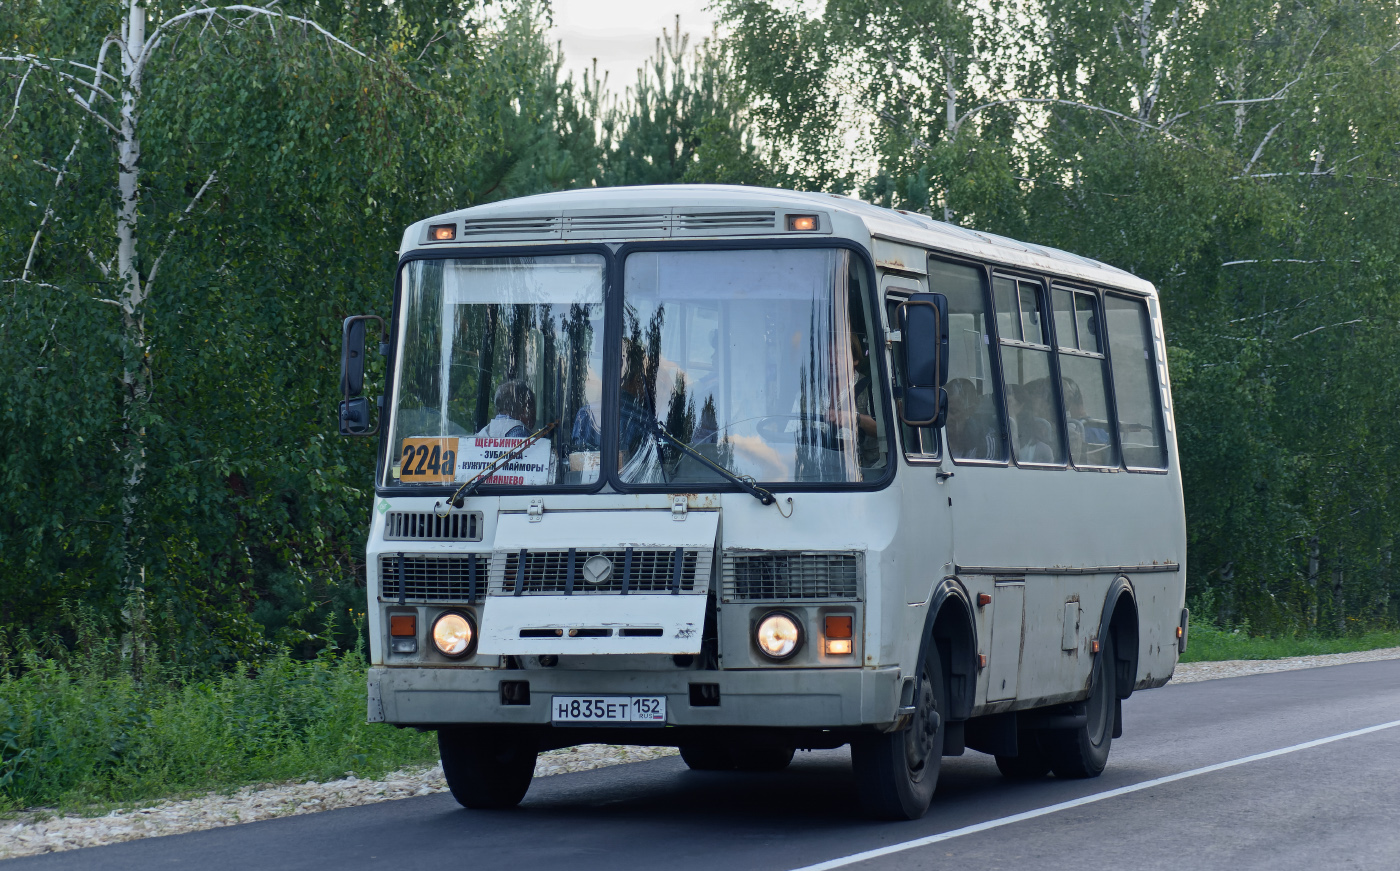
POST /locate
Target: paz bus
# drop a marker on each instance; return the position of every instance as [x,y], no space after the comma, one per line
[745,471]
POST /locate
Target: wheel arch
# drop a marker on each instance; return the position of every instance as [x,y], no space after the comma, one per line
[1120,622]
[949,624]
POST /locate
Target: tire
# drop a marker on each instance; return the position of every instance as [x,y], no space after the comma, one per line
[707,757]
[1032,763]
[761,758]
[487,768]
[1083,751]
[897,772]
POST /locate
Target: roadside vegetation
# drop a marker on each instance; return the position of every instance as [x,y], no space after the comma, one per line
[167,428]
[86,725]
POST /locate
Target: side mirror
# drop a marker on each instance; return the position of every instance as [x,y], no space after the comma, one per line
[354,409]
[354,416]
[923,327]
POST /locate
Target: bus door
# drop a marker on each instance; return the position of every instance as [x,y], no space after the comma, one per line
[928,495]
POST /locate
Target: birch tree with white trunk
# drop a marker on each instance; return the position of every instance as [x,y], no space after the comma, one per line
[105,90]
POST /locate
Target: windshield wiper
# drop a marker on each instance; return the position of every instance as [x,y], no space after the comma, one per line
[468,488]
[747,484]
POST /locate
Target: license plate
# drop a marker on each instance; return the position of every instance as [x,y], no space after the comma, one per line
[644,710]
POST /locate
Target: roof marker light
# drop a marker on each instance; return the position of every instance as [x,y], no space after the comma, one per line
[443,232]
[802,222]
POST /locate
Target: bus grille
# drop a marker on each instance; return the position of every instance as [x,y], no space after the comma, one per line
[547,572]
[433,578]
[791,575]
[428,526]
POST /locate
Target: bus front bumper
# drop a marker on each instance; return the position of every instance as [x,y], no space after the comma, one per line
[792,698]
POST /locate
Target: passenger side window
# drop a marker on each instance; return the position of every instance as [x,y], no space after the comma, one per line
[974,428]
[1083,382]
[1135,382]
[1035,422]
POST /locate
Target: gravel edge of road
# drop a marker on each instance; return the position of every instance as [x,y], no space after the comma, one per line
[38,833]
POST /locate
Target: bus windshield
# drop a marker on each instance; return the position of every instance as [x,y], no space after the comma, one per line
[493,351]
[758,359]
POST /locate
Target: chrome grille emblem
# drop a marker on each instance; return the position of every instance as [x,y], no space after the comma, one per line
[597,569]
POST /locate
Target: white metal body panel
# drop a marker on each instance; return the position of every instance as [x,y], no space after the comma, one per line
[600,528]
[680,619]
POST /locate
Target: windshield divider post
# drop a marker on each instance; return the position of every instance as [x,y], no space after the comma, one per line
[400,573]
[676,571]
[471,578]
[569,578]
[626,571]
[520,571]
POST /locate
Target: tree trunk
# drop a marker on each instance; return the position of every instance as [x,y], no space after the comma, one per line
[1314,559]
[134,371]
[1339,602]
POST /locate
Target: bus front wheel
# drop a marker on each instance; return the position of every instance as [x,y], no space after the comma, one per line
[487,768]
[896,772]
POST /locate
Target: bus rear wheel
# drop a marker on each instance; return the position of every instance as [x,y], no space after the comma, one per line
[487,768]
[897,772]
[1083,751]
[1032,763]
[761,757]
[707,757]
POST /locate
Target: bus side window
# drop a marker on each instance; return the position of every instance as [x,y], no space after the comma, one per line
[974,430]
[1135,382]
[1037,429]
[1083,380]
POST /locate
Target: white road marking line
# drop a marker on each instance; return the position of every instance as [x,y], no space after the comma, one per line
[1079,802]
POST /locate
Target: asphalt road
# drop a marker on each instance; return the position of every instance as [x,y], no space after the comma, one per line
[1330,805]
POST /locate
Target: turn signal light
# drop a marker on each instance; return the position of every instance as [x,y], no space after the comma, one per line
[401,625]
[1179,633]
[984,599]
[839,632]
[838,626]
[443,232]
[802,222]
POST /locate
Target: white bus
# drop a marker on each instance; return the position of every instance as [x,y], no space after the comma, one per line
[744,471]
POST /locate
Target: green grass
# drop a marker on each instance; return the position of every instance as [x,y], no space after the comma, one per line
[84,734]
[89,731]
[1211,644]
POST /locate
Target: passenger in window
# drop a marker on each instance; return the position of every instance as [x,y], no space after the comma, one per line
[971,430]
[1088,442]
[1031,413]
[515,412]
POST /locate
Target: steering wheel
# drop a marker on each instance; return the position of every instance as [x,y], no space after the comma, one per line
[773,427]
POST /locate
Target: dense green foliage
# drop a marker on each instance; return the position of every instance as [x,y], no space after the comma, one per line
[1241,155]
[79,728]
[174,452]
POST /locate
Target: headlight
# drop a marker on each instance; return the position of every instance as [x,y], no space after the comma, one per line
[779,635]
[454,634]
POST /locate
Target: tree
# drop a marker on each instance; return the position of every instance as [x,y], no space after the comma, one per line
[1239,155]
[202,194]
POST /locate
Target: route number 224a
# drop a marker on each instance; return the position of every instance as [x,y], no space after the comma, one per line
[428,460]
